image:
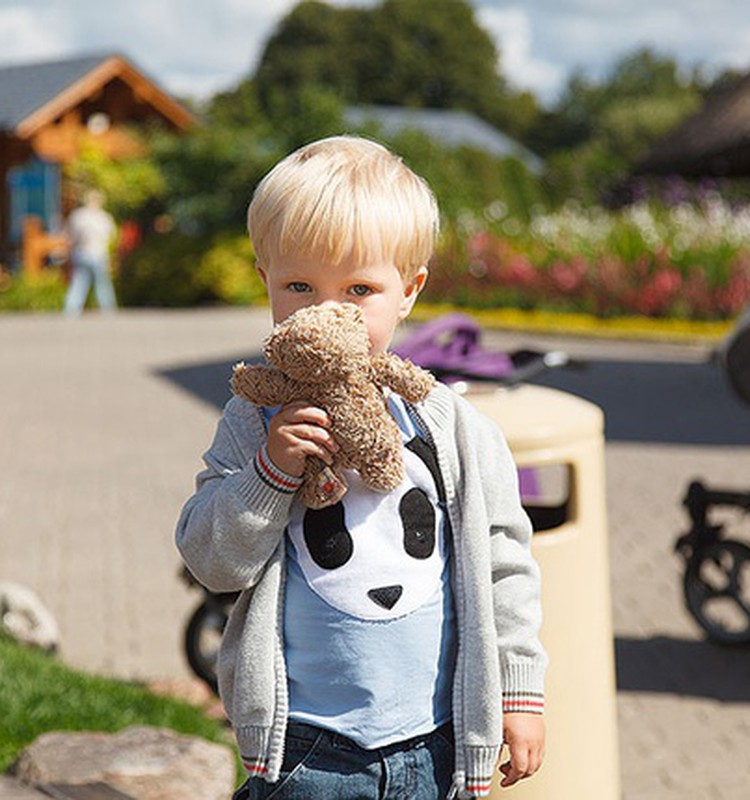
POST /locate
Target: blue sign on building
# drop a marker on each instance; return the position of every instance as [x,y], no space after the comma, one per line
[34,189]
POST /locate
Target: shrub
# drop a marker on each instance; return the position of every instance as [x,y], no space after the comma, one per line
[175,269]
[43,292]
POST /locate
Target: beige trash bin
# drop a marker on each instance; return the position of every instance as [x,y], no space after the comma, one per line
[561,437]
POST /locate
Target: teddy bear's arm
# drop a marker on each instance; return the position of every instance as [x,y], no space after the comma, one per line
[260,384]
[410,381]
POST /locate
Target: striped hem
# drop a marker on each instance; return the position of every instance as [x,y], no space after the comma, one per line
[478,784]
[527,702]
[255,766]
[274,477]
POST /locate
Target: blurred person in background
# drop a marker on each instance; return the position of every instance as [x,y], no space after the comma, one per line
[90,231]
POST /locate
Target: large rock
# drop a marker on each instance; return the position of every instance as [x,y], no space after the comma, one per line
[142,762]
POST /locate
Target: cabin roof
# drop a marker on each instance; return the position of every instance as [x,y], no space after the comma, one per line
[450,127]
[715,141]
[34,94]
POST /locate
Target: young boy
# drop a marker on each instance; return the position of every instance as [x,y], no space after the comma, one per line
[407,689]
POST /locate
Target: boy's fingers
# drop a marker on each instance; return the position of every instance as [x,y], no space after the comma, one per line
[515,769]
[520,766]
[300,411]
[314,435]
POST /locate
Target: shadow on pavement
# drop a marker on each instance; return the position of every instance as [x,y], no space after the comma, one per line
[683,667]
[678,403]
[208,381]
[643,401]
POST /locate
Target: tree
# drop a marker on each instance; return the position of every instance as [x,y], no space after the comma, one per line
[427,53]
[311,47]
[599,130]
[586,104]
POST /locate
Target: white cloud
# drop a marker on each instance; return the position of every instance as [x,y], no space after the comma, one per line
[511,29]
[23,38]
[189,48]
[199,48]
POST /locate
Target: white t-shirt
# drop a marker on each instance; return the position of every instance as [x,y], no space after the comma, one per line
[90,231]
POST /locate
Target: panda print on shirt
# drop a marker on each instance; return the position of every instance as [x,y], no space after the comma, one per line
[374,556]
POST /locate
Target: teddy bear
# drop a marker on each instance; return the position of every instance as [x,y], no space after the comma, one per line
[321,354]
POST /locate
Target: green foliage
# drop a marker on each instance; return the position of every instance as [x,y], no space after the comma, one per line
[38,694]
[128,184]
[311,113]
[436,56]
[239,108]
[312,46]
[176,269]
[44,292]
[210,173]
[466,179]
[600,130]
[427,53]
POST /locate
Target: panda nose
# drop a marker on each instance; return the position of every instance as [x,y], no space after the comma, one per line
[386,596]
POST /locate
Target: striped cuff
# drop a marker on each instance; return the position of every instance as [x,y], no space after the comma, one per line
[480,766]
[272,476]
[479,786]
[255,767]
[525,702]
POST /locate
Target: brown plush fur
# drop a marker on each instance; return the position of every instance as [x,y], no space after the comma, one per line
[321,354]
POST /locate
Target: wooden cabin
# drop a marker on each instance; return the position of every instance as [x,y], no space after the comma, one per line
[48,112]
[713,142]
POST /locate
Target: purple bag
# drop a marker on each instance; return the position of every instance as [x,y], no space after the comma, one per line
[449,348]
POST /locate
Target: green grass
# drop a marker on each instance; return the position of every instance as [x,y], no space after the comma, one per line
[39,694]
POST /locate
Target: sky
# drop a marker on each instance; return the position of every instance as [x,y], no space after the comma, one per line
[195,49]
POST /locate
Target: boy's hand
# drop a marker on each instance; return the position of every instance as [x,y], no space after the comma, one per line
[296,431]
[524,736]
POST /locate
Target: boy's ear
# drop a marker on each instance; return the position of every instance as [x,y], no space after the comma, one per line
[263,274]
[411,292]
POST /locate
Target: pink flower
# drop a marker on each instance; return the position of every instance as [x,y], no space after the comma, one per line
[568,276]
[659,292]
[732,298]
[519,271]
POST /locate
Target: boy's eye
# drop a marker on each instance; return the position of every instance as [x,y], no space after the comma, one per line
[360,290]
[298,286]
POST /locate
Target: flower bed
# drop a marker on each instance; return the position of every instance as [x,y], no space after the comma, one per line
[684,262]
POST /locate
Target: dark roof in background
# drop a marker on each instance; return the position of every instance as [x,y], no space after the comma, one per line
[713,142]
[447,126]
[25,88]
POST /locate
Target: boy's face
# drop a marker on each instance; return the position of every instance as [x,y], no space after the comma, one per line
[297,281]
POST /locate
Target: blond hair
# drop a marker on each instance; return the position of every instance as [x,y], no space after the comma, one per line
[340,198]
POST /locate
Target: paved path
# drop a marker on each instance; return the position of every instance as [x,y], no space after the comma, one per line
[102,423]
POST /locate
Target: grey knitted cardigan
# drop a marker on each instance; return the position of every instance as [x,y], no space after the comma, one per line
[231,536]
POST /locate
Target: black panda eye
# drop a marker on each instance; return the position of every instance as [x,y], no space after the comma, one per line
[418,517]
[326,536]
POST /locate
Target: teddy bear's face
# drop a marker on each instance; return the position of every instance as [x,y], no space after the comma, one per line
[320,343]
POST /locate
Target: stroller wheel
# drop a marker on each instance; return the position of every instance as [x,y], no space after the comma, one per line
[717,591]
[202,639]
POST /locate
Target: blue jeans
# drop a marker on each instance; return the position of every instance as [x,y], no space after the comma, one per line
[86,270]
[321,765]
